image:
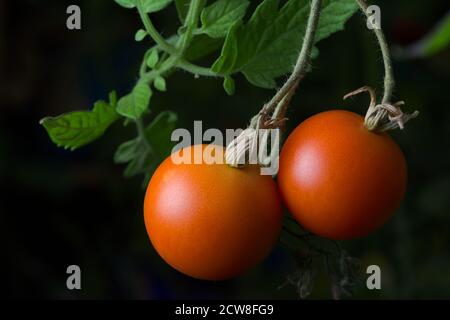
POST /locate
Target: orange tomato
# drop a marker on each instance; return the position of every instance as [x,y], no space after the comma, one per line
[211,221]
[338,179]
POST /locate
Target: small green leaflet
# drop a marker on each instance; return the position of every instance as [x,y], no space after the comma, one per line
[136,103]
[76,129]
[127,151]
[228,85]
[152,58]
[267,46]
[139,157]
[218,18]
[140,35]
[148,5]
[160,84]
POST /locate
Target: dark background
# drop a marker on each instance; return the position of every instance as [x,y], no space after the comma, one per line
[60,207]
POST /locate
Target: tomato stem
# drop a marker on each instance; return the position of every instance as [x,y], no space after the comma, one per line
[386,115]
[195,69]
[190,24]
[172,55]
[151,30]
[141,132]
[272,114]
[389,82]
[281,99]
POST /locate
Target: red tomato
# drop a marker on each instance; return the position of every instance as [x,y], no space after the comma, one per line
[211,221]
[338,179]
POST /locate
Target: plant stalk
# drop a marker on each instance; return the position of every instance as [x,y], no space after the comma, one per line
[190,25]
[245,143]
[195,69]
[282,98]
[141,132]
[151,30]
[389,82]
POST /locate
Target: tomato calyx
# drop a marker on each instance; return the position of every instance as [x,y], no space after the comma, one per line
[381,117]
[255,139]
[257,144]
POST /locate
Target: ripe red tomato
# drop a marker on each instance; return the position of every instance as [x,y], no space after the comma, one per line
[338,179]
[211,221]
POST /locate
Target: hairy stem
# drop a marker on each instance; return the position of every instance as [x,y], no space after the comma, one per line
[197,70]
[141,132]
[245,143]
[151,30]
[389,82]
[190,24]
[165,68]
[281,99]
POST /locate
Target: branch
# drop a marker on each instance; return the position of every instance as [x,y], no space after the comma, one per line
[282,98]
[389,82]
[151,30]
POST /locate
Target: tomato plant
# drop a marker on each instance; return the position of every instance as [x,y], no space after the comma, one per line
[341,176]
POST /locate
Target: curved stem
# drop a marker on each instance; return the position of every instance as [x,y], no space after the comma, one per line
[190,24]
[389,81]
[197,70]
[151,30]
[244,143]
[165,68]
[141,132]
[143,67]
[281,99]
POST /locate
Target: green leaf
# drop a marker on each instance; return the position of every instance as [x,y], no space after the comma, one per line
[159,134]
[228,85]
[152,58]
[182,9]
[138,165]
[136,103]
[113,99]
[155,5]
[218,18]
[140,158]
[201,46]
[437,40]
[76,129]
[148,5]
[140,35]
[160,84]
[126,3]
[440,39]
[267,46]
[126,152]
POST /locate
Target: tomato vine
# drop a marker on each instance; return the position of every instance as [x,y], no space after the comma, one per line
[242,42]
[386,115]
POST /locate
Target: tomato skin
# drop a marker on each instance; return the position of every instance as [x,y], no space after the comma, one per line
[212,222]
[338,179]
